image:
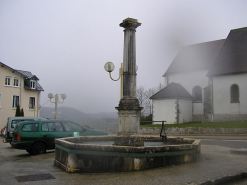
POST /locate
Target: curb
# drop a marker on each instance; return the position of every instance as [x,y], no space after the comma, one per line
[223,180]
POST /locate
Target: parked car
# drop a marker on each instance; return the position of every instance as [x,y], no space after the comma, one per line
[3,131]
[12,121]
[38,136]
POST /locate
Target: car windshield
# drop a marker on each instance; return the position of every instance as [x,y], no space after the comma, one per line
[15,122]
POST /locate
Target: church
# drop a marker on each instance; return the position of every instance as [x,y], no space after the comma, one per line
[206,82]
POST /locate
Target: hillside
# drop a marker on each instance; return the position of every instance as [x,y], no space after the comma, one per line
[100,121]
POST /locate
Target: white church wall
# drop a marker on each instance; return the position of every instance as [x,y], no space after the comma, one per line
[189,80]
[222,94]
[198,108]
[164,110]
[185,111]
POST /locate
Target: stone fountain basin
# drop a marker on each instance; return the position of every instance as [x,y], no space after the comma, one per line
[98,154]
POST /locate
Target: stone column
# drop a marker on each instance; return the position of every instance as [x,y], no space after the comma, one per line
[129,110]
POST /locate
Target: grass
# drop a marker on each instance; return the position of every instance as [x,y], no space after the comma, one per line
[238,124]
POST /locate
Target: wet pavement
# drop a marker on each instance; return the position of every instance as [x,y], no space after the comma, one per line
[220,157]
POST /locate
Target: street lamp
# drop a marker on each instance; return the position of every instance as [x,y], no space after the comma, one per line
[63,96]
[109,67]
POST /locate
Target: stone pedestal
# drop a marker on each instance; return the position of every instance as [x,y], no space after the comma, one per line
[129,113]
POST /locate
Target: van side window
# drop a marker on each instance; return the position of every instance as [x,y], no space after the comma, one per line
[15,122]
[30,127]
[57,127]
[44,127]
[52,127]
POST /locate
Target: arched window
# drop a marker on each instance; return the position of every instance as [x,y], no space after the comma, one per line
[197,94]
[234,93]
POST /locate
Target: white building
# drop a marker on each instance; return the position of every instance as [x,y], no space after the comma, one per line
[214,74]
[18,87]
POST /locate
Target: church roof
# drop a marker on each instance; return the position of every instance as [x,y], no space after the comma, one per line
[232,57]
[172,91]
[195,57]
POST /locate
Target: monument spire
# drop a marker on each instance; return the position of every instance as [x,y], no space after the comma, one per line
[129,110]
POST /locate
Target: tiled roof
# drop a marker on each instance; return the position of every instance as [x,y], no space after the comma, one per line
[232,57]
[26,75]
[172,91]
[38,87]
[195,57]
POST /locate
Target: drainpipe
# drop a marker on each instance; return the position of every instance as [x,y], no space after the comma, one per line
[212,102]
[177,110]
[38,100]
[20,92]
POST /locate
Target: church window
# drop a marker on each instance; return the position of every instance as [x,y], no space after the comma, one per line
[197,94]
[234,94]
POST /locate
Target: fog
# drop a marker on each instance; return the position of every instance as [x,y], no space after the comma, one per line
[66,43]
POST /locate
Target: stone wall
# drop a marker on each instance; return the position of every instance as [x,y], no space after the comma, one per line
[229,117]
[190,130]
[206,118]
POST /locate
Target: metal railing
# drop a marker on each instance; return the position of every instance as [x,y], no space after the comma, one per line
[162,131]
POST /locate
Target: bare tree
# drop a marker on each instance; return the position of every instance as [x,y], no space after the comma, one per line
[140,95]
[148,104]
[144,98]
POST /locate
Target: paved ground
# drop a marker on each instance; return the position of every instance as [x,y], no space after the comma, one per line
[220,157]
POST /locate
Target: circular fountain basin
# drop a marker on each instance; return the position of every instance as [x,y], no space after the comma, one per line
[99,154]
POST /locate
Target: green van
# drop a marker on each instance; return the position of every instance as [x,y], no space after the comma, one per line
[12,121]
[38,136]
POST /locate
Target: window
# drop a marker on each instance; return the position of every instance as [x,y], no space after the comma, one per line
[234,94]
[30,127]
[45,127]
[52,127]
[197,94]
[15,122]
[7,80]
[31,102]
[33,84]
[16,82]
[15,101]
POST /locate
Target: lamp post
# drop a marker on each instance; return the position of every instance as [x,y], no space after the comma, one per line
[109,67]
[63,96]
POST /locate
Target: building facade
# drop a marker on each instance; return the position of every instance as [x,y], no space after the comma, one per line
[18,87]
[215,74]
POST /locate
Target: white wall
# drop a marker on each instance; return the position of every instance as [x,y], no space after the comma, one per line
[198,108]
[222,94]
[185,111]
[189,80]
[164,110]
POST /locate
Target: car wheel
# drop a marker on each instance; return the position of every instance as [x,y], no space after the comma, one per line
[29,151]
[38,148]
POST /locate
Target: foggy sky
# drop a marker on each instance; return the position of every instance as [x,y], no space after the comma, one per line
[66,43]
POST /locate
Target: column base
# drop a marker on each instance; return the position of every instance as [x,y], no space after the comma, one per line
[129,113]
